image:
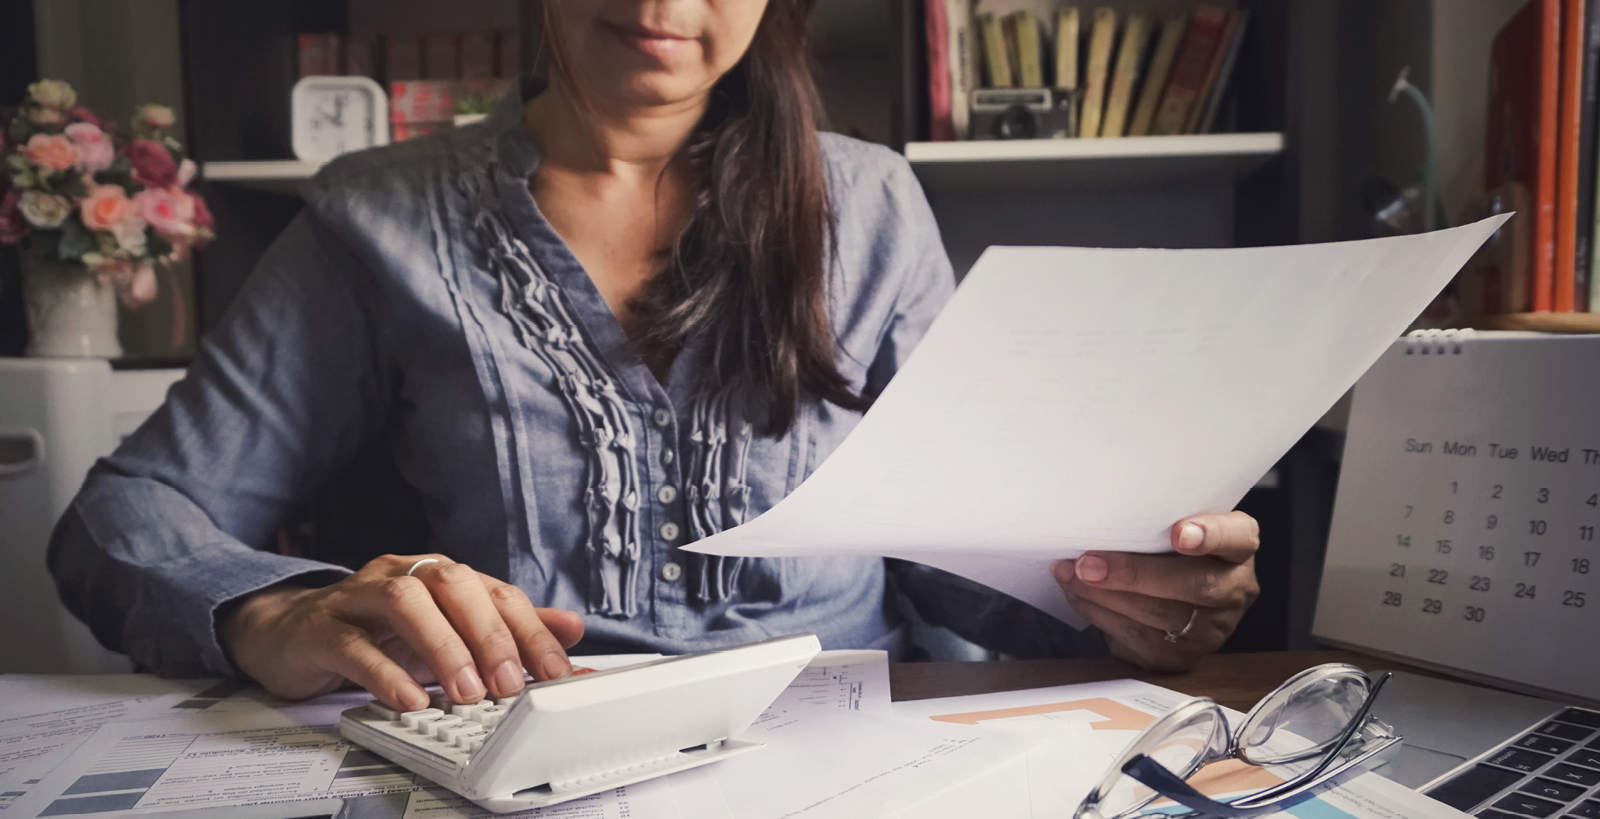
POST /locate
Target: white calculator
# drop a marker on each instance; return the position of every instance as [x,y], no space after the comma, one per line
[567,738]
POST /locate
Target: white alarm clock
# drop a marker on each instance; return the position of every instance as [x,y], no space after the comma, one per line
[336,115]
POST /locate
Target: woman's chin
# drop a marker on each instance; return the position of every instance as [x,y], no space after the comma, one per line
[651,89]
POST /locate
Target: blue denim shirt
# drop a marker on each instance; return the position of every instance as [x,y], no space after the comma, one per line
[422,301]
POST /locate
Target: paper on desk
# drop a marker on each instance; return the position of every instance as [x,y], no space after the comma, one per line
[652,799]
[30,695]
[50,715]
[209,761]
[1086,726]
[842,680]
[1091,724]
[825,763]
[1073,399]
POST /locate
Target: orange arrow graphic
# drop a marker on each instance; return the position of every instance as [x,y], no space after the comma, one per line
[1118,717]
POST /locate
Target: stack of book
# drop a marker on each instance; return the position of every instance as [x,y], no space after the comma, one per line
[1107,73]
[1540,160]
[431,78]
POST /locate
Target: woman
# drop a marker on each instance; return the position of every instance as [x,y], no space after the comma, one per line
[635,307]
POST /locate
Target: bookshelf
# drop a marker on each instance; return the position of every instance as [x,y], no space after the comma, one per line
[1045,164]
[1239,188]
[1541,322]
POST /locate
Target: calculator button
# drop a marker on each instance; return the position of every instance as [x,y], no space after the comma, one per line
[475,741]
[1469,788]
[491,716]
[470,712]
[1519,759]
[1579,716]
[1544,744]
[1551,789]
[450,733]
[1574,775]
[1587,810]
[1587,757]
[382,711]
[414,718]
[1576,733]
[1529,805]
[433,727]
[465,738]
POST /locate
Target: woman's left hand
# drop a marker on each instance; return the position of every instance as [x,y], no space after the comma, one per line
[1137,600]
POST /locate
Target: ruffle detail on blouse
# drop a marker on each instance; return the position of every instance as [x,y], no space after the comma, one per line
[546,326]
[715,501]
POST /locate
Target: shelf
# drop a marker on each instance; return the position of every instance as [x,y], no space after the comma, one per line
[1541,322]
[278,176]
[1077,164]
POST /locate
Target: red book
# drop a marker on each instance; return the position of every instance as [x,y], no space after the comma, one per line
[1197,111]
[1520,146]
[1566,268]
[1200,44]
[941,123]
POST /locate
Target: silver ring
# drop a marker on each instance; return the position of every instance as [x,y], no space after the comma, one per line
[436,560]
[1175,636]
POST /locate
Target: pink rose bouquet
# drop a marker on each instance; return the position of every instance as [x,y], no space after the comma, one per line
[75,190]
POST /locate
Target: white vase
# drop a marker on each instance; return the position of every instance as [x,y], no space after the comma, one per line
[71,312]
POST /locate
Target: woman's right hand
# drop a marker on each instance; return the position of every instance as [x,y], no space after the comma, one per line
[390,633]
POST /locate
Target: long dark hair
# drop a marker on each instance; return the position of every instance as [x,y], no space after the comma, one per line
[751,268]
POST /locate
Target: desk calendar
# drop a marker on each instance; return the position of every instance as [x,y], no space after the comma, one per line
[1464,533]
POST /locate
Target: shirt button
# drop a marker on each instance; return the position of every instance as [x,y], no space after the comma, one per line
[671,572]
[667,456]
[663,417]
[667,494]
[669,531]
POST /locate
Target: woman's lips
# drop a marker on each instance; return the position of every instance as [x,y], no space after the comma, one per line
[658,44]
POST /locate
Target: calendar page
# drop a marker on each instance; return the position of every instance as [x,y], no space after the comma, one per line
[1464,529]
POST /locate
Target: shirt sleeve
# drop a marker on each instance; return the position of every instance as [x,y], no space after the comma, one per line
[179,520]
[977,613]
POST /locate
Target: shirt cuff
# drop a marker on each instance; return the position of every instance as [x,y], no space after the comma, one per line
[200,586]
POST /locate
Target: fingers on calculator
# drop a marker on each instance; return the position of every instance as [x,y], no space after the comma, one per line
[464,727]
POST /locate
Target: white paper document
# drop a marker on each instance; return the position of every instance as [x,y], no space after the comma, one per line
[652,799]
[40,733]
[1088,727]
[826,763]
[842,680]
[1083,728]
[1073,399]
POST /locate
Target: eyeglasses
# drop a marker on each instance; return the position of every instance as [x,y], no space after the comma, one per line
[1313,732]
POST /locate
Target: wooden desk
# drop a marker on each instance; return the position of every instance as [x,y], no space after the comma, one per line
[1237,681]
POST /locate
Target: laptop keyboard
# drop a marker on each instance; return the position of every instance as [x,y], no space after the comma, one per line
[1550,772]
